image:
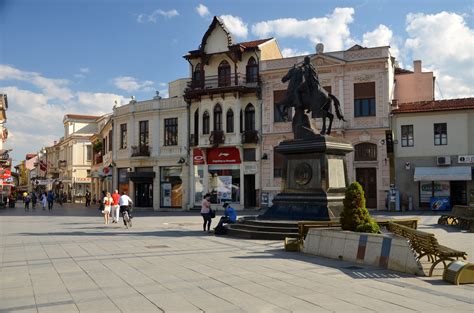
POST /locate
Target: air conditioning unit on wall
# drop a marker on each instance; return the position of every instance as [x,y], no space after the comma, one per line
[443,160]
[466,159]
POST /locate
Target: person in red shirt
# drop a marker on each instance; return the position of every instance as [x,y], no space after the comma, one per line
[115,206]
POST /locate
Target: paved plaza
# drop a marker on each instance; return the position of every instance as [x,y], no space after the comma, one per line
[68,261]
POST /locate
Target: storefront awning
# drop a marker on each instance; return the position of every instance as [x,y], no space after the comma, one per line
[443,173]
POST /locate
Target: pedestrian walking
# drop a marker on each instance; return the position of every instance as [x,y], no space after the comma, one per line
[27,200]
[107,207]
[206,212]
[88,198]
[44,200]
[34,200]
[115,207]
[50,198]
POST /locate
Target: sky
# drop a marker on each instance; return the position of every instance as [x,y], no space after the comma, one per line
[80,56]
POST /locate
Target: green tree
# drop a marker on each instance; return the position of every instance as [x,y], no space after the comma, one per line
[355,216]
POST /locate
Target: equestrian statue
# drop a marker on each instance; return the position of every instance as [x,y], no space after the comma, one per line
[306,95]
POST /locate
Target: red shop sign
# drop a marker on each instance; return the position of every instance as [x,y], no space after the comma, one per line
[198,157]
[226,155]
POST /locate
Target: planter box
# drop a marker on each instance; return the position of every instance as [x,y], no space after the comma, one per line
[379,250]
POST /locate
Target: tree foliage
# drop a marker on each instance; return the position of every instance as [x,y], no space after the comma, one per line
[355,216]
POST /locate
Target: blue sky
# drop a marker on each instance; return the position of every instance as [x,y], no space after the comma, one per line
[78,56]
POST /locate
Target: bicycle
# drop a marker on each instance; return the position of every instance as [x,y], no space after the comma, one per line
[126,218]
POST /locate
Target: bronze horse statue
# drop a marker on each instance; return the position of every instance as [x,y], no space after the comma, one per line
[306,96]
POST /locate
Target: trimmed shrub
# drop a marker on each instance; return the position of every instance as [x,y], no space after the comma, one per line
[355,216]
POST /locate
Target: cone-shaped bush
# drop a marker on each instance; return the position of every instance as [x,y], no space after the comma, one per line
[355,216]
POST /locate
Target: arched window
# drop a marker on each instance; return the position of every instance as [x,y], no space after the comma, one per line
[196,124]
[230,121]
[223,74]
[198,75]
[217,117]
[249,117]
[252,71]
[241,121]
[205,123]
[365,152]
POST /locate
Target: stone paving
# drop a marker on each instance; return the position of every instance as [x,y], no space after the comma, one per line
[67,261]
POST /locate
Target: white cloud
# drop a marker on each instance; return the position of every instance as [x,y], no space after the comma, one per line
[35,117]
[382,36]
[235,25]
[202,10]
[130,84]
[289,52]
[84,70]
[332,30]
[444,42]
[151,18]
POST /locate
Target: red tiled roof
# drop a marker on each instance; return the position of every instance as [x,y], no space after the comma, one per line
[82,117]
[435,105]
[30,156]
[254,43]
[399,70]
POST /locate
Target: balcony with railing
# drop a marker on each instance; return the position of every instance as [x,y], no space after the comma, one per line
[250,136]
[217,137]
[141,151]
[218,84]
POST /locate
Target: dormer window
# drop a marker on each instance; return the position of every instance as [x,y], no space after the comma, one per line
[252,71]
[224,74]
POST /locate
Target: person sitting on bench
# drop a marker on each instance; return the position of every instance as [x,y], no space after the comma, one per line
[229,217]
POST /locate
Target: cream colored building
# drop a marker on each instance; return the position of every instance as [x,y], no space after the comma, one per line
[363,81]
[75,155]
[434,151]
[150,150]
[102,166]
[225,117]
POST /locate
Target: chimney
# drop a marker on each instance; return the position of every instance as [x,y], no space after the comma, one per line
[417,66]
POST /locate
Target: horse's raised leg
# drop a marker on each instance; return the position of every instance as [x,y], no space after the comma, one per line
[323,129]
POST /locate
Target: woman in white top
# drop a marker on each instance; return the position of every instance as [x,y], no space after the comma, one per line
[108,201]
[206,212]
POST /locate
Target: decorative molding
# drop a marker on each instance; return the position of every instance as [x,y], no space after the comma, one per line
[364,78]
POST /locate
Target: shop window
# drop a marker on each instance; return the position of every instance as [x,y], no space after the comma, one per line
[252,71]
[223,73]
[143,134]
[407,136]
[217,117]
[123,136]
[123,180]
[224,184]
[205,123]
[364,99]
[365,152]
[440,134]
[230,121]
[198,184]
[249,155]
[110,140]
[171,187]
[171,131]
[249,117]
[278,164]
[281,113]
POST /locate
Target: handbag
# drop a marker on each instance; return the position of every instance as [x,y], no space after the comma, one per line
[212,213]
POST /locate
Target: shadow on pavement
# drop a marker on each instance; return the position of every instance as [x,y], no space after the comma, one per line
[123,232]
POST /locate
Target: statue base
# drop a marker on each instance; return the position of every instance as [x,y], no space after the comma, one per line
[314,179]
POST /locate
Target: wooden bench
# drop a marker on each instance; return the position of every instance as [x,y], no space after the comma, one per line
[304,226]
[426,244]
[408,222]
[460,215]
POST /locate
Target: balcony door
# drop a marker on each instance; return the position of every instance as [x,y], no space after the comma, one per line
[223,74]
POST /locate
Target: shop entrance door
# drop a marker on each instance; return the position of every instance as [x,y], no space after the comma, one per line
[367,177]
[144,194]
[458,193]
[250,194]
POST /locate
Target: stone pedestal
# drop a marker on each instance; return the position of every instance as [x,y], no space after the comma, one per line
[314,179]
